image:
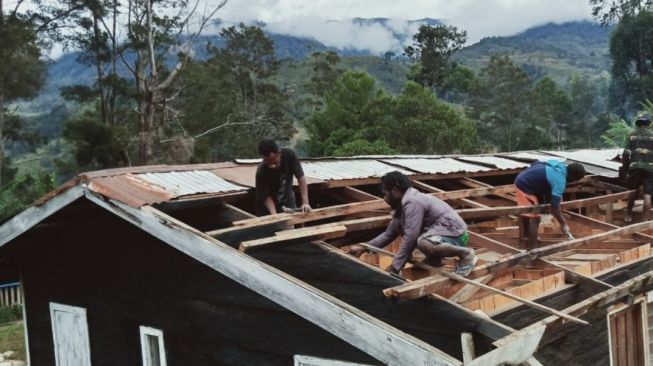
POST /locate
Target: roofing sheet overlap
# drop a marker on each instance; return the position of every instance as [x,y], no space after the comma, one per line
[602,158]
[438,166]
[347,169]
[495,161]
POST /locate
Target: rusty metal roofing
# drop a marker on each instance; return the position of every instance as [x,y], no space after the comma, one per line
[138,186]
[494,161]
[189,182]
[129,190]
[347,169]
[438,166]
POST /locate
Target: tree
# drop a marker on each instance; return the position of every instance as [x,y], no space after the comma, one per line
[352,110]
[588,111]
[611,11]
[617,134]
[19,46]
[631,48]
[500,103]
[151,32]
[18,194]
[229,101]
[325,72]
[422,124]
[432,49]
[360,118]
[551,116]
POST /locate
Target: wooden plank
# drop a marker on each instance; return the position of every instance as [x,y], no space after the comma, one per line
[621,340]
[634,285]
[575,277]
[630,336]
[489,243]
[477,213]
[437,192]
[409,292]
[467,291]
[351,194]
[285,237]
[597,224]
[467,342]
[470,182]
[378,339]
[596,238]
[514,349]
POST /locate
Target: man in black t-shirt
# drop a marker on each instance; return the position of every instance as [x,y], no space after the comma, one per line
[274,179]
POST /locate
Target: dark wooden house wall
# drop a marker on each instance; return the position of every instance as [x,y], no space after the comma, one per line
[125,278]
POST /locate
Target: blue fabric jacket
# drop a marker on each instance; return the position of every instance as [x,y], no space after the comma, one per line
[544,178]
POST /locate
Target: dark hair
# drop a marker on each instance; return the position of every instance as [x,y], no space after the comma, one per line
[396,179]
[575,171]
[267,146]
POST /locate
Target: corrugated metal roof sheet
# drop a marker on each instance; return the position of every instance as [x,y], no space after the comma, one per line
[347,169]
[130,190]
[495,161]
[245,175]
[438,166]
[602,158]
[189,182]
[532,156]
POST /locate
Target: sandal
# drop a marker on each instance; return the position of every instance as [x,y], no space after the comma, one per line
[465,270]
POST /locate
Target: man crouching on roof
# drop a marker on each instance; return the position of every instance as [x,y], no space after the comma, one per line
[423,221]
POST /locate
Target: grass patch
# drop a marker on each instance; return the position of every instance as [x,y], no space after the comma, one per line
[12,338]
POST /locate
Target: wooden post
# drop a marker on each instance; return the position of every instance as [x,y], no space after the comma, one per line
[529,225]
[608,210]
[467,341]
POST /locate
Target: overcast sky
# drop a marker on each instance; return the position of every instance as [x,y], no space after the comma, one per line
[312,18]
[481,18]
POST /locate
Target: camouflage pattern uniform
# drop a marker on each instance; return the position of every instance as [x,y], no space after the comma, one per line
[638,159]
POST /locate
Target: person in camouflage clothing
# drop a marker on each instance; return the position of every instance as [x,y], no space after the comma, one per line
[638,164]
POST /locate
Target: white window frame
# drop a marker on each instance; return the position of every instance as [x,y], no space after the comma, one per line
[54,307]
[149,331]
[317,361]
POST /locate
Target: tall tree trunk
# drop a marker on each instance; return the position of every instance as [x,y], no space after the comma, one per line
[100,73]
[2,105]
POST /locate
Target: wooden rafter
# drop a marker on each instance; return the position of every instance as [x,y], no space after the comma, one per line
[420,288]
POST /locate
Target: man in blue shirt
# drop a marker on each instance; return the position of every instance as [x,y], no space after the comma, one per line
[545,181]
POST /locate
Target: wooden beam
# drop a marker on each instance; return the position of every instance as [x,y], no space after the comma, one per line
[352,208]
[351,194]
[575,277]
[420,287]
[633,286]
[514,349]
[468,290]
[597,224]
[372,336]
[437,192]
[285,237]
[489,243]
[319,232]
[596,238]
[477,213]
[467,343]
[473,183]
